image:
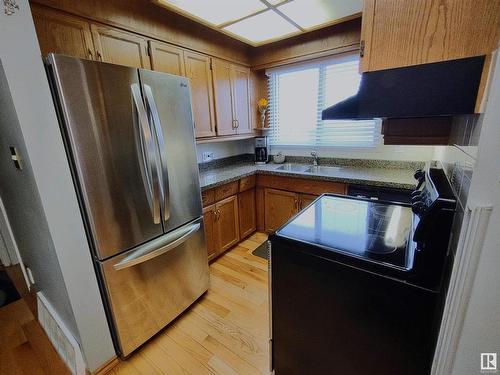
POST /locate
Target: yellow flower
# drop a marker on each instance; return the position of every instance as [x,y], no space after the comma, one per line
[262,102]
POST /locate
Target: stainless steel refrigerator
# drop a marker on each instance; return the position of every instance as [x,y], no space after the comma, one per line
[130,139]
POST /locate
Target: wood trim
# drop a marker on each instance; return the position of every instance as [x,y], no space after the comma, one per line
[300,185]
[485,82]
[106,367]
[260,208]
[309,57]
[226,190]
[146,19]
[224,138]
[366,34]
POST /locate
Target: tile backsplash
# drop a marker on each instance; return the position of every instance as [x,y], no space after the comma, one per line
[458,160]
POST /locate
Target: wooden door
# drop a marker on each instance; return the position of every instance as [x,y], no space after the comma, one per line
[209,216]
[399,33]
[227,223]
[280,206]
[305,200]
[59,32]
[166,58]
[246,212]
[199,72]
[120,47]
[240,82]
[223,97]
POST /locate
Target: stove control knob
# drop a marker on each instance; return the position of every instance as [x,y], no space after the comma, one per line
[418,207]
[419,174]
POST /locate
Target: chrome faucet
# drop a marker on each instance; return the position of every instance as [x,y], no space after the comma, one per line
[314,154]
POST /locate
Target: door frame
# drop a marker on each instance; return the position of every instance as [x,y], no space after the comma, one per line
[11,247]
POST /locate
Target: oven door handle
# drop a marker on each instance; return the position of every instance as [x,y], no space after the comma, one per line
[158,247]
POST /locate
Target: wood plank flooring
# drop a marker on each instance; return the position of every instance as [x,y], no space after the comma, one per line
[227,332]
[24,346]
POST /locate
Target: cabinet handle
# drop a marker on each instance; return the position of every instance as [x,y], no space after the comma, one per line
[217,214]
[91,55]
[237,124]
[362,48]
[99,56]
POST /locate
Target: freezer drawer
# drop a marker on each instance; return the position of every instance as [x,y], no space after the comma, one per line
[149,286]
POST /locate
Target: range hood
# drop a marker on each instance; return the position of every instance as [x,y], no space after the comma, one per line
[438,89]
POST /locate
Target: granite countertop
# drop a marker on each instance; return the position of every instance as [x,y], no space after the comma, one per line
[392,176]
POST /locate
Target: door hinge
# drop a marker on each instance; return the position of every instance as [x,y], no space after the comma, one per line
[362,48]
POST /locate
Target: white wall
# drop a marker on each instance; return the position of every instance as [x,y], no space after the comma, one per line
[62,254]
[226,148]
[481,328]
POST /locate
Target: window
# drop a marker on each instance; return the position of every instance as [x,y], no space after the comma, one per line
[298,95]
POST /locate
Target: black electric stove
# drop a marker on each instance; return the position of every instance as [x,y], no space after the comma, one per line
[357,286]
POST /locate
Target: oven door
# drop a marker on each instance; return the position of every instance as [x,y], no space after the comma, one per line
[149,286]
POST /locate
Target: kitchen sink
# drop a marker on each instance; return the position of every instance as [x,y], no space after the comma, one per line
[292,168]
[321,169]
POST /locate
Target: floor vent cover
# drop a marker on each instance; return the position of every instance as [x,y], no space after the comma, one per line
[59,335]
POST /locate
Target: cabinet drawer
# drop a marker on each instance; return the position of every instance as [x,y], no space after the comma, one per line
[208,197]
[247,183]
[226,190]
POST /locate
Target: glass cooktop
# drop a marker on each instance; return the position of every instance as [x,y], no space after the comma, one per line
[370,230]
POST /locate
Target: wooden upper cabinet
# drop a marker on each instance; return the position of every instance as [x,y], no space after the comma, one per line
[120,47]
[199,72]
[232,98]
[240,82]
[166,58]
[59,32]
[398,33]
[223,97]
[280,206]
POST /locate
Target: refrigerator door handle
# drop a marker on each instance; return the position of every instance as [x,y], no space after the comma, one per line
[153,111]
[149,166]
[158,247]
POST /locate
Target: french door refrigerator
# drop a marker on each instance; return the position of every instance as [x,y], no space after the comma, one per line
[130,138]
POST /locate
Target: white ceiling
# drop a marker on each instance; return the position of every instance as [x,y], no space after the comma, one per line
[258,22]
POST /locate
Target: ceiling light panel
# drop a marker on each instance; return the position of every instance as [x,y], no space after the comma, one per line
[216,12]
[262,27]
[275,2]
[311,13]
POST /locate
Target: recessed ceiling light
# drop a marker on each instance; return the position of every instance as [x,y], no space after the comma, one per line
[262,27]
[310,13]
[216,12]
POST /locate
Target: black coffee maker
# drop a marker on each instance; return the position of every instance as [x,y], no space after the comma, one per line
[261,150]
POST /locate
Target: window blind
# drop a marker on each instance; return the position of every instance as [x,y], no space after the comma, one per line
[298,95]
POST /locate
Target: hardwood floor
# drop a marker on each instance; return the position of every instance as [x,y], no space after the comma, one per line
[227,332]
[24,346]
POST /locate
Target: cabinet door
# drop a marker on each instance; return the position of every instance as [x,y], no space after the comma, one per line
[246,212]
[305,200]
[223,98]
[240,82]
[280,206]
[227,223]
[119,47]
[166,58]
[60,33]
[210,232]
[199,72]
[399,33]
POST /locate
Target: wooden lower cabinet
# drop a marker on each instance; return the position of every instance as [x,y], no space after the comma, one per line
[222,226]
[209,217]
[280,206]
[246,212]
[305,200]
[227,223]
